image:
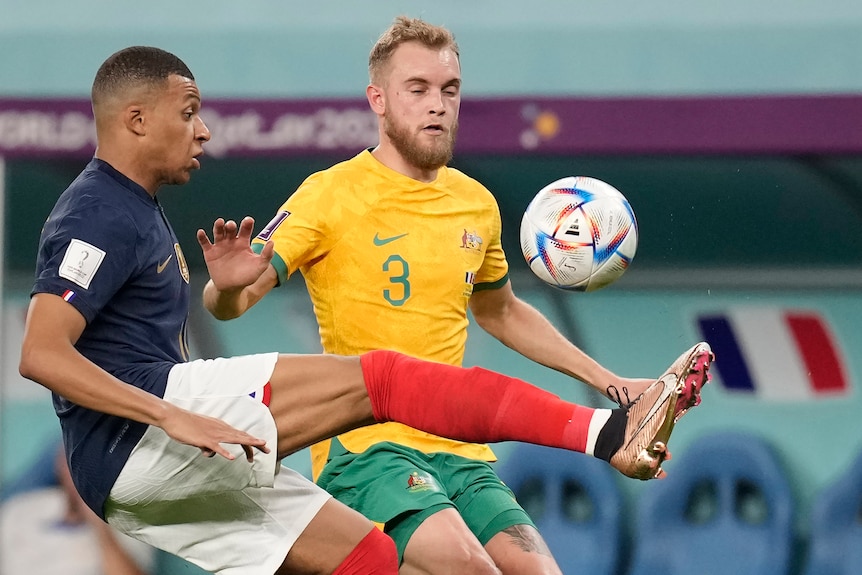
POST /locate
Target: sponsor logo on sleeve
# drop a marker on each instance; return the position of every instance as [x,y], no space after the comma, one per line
[273,224]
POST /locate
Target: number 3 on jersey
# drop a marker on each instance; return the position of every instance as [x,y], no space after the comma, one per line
[399,271]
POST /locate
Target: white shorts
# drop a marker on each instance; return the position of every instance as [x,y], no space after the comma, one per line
[228,517]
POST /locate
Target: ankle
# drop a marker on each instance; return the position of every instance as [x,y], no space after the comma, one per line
[612,435]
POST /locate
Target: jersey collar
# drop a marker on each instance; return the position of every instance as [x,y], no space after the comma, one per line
[120,178]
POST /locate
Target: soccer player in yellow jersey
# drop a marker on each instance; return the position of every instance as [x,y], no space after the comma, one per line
[395,247]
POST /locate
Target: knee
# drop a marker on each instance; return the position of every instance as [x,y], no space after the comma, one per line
[455,559]
[475,563]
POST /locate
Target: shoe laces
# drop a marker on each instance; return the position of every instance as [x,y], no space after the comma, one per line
[615,395]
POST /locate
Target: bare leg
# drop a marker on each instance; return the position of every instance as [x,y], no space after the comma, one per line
[315,397]
[521,550]
[328,540]
[444,544]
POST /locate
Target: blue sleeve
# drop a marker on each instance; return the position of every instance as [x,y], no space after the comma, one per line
[86,256]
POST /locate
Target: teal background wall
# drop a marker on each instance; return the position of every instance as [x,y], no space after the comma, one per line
[270,48]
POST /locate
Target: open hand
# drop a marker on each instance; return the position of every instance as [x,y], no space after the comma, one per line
[231,263]
[209,433]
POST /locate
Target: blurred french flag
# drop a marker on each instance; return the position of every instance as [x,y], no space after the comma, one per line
[778,354]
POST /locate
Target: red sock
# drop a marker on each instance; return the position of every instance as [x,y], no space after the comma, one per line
[374,555]
[470,404]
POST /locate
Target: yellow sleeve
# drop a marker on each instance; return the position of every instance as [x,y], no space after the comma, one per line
[494,271]
[304,228]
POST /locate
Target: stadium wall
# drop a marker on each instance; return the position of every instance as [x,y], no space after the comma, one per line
[509,47]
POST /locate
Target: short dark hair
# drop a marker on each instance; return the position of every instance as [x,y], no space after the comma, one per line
[135,66]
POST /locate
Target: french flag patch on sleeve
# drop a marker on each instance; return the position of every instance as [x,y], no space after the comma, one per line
[778,354]
[68,295]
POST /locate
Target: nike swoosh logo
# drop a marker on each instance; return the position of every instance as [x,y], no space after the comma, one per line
[161,267]
[652,412]
[378,241]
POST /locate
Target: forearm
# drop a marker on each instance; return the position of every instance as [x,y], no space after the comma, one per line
[525,330]
[224,305]
[231,303]
[67,373]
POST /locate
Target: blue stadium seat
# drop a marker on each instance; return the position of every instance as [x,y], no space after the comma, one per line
[575,502]
[725,509]
[836,526]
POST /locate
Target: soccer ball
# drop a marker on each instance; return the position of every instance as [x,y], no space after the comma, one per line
[579,234]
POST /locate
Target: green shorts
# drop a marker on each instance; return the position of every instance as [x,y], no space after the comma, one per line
[400,487]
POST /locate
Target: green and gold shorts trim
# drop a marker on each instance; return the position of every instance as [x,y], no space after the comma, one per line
[399,487]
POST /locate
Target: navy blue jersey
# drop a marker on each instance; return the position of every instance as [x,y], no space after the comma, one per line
[108,249]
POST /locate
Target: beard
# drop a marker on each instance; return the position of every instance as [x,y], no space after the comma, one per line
[431,157]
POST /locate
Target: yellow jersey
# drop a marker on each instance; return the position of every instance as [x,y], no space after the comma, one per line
[390,263]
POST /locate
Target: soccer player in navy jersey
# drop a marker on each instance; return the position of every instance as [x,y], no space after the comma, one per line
[107,334]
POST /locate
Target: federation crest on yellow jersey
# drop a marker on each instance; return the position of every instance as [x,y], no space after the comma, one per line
[471,241]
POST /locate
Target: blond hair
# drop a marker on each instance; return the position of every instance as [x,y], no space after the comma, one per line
[403,30]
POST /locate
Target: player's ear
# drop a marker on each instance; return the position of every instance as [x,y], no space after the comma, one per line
[376,99]
[133,118]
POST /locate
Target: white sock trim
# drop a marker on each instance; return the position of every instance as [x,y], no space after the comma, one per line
[597,422]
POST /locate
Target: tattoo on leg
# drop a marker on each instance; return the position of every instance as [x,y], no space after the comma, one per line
[528,539]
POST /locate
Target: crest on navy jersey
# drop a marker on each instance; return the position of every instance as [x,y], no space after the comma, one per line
[181,262]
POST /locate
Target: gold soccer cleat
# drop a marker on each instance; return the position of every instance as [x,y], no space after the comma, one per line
[693,368]
[653,414]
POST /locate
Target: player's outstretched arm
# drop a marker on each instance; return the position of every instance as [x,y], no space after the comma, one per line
[524,329]
[239,277]
[48,357]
